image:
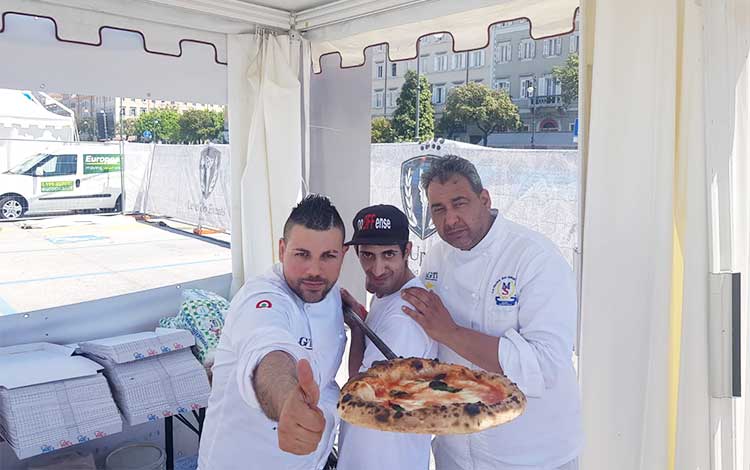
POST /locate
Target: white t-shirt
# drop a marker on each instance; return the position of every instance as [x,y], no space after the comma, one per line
[265,316]
[516,285]
[367,449]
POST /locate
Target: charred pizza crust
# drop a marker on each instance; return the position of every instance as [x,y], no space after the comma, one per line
[371,399]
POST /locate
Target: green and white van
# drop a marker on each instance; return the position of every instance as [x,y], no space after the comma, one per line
[71,178]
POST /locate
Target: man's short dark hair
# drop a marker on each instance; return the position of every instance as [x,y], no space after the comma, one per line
[444,167]
[315,212]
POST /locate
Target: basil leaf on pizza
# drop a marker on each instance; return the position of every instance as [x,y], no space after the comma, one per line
[425,396]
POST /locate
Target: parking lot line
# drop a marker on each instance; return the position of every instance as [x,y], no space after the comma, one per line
[105,273]
[5,308]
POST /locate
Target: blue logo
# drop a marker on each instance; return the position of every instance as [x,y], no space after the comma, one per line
[505,291]
[431,276]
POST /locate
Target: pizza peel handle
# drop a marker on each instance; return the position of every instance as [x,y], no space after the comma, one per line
[354,318]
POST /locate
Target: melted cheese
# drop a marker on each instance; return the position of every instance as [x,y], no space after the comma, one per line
[414,394]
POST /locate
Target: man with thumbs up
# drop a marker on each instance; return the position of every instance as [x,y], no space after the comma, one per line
[273,403]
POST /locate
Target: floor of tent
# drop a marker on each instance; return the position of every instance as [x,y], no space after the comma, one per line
[64,260]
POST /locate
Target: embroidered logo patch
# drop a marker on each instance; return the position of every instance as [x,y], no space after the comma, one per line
[505,291]
[264,304]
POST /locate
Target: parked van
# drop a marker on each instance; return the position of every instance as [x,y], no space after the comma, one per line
[71,178]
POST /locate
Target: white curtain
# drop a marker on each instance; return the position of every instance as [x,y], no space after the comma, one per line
[664,96]
[266,106]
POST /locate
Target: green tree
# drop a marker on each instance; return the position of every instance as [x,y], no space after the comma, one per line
[128,128]
[164,124]
[404,118]
[568,76]
[382,131]
[447,126]
[478,105]
[201,125]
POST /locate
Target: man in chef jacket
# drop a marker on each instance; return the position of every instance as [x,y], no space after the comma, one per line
[273,401]
[500,298]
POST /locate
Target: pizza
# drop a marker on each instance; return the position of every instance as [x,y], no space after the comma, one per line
[425,396]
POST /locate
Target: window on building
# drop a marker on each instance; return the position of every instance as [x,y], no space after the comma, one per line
[391,97]
[459,61]
[476,59]
[438,94]
[549,125]
[441,62]
[575,42]
[143,110]
[552,47]
[379,70]
[502,84]
[503,52]
[377,99]
[423,61]
[549,86]
[526,49]
[132,110]
[526,82]
[394,70]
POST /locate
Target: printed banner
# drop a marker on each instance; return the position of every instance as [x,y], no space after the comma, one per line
[538,189]
[101,163]
[56,186]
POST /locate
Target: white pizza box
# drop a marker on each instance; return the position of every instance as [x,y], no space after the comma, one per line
[50,399]
[157,386]
[44,418]
[38,363]
[137,346]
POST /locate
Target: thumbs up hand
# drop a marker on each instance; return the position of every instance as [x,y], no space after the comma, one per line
[301,422]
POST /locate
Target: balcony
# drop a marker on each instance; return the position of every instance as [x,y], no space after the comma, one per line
[549,101]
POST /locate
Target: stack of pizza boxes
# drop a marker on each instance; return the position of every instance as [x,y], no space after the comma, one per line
[51,399]
[152,374]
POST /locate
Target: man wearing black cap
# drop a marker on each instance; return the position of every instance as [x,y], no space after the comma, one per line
[381,241]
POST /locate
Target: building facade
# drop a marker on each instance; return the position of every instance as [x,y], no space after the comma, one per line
[131,108]
[513,62]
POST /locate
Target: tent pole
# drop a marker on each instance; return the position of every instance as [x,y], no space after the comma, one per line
[419,59]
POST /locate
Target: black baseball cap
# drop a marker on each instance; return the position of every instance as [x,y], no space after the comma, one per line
[380,225]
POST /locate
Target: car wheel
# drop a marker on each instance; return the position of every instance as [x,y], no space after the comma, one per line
[118,204]
[11,207]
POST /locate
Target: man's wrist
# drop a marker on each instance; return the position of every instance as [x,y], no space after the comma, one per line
[452,336]
[357,333]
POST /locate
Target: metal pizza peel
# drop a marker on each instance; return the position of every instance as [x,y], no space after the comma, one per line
[354,318]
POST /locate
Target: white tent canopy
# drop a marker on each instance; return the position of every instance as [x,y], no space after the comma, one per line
[21,109]
[27,127]
[344,27]
[665,94]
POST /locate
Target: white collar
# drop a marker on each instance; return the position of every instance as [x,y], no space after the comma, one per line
[495,232]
